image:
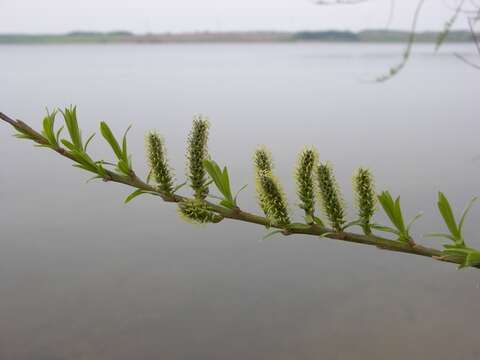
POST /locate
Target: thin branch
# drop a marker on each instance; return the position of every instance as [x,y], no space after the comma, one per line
[391,13]
[406,54]
[237,214]
[466,61]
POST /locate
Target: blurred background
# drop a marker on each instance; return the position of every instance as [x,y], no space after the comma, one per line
[83,276]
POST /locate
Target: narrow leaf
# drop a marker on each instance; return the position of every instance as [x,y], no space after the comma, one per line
[133,195]
[108,136]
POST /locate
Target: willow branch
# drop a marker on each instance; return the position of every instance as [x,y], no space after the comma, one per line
[134,181]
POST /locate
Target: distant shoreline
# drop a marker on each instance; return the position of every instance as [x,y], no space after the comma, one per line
[366,36]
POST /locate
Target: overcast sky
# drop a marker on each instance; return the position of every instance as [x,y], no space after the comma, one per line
[140,16]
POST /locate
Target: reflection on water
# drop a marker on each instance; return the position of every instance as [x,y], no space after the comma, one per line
[83,276]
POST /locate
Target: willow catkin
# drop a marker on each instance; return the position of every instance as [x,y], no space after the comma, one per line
[270,195]
[197,152]
[197,212]
[304,176]
[365,199]
[331,199]
[157,160]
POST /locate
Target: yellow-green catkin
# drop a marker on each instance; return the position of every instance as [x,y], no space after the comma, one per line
[262,160]
[330,197]
[364,190]
[197,212]
[157,160]
[270,194]
[304,176]
[197,152]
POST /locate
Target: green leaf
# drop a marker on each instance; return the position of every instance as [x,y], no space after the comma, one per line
[108,136]
[387,204]
[394,212]
[59,131]
[447,214]
[68,144]
[48,128]
[178,187]
[465,213]
[70,116]
[226,184]
[23,136]
[123,167]
[352,223]
[227,204]
[399,217]
[409,226]
[238,192]
[124,143]
[100,169]
[85,160]
[133,195]
[221,180]
[88,142]
[84,167]
[473,258]
[94,178]
[385,229]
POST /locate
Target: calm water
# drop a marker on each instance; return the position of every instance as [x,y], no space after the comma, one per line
[83,276]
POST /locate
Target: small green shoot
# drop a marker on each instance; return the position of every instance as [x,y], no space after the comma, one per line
[70,117]
[222,181]
[48,131]
[137,193]
[456,230]
[124,164]
[394,212]
[471,256]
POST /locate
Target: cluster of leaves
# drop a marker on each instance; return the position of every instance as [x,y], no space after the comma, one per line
[75,145]
[458,248]
[394,212]
[124,160]
[222,181]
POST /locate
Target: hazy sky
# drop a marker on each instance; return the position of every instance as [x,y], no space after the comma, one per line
[53,16]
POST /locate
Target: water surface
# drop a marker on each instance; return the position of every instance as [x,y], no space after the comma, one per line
[83,276]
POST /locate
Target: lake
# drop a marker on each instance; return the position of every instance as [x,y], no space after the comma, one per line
[83,276]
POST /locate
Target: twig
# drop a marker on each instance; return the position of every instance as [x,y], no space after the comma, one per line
[237,214]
